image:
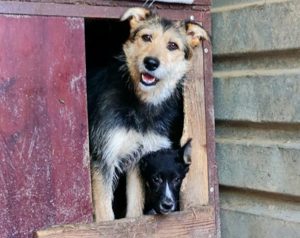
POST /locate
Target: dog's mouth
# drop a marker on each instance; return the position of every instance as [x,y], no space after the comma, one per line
[148,79]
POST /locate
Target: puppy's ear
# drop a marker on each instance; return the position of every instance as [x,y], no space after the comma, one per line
[195,33]
[135,15]
[187,152]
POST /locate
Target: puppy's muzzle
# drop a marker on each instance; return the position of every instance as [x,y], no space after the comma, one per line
[166,206]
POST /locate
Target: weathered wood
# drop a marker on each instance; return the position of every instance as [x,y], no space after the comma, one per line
[195,187]
[213,183]
[99,10]
[246,163]
[269,20]
[248,90]
[196,223]
[236,224]
[119,2]
[44,163]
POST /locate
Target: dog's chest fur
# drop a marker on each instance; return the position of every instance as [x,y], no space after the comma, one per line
[125,146]
[122,128]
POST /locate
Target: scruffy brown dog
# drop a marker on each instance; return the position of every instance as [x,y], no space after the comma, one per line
[134,104]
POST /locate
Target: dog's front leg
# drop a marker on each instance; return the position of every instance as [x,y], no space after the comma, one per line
[102,195]
[135,193]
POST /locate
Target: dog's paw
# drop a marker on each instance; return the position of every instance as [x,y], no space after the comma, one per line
[108,216]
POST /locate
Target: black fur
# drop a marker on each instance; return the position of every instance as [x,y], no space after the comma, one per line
[158,169]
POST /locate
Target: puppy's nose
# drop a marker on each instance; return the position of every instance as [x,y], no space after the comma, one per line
[167,204]
[151,63]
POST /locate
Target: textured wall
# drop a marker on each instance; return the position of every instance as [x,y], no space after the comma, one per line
[257,106]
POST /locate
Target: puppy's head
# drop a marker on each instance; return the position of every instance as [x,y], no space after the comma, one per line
[162,173]
[158,52]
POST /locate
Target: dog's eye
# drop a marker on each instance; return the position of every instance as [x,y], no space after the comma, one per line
[157,180]
[176,181]
[146,38]
[172,46]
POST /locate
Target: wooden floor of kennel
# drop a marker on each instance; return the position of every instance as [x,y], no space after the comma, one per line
[43,113]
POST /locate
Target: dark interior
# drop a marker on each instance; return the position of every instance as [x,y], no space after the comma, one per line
[104,40]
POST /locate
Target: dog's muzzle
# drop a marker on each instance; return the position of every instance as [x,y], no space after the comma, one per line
[166,206]
[147,78]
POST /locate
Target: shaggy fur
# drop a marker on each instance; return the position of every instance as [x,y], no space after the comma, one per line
[135,104]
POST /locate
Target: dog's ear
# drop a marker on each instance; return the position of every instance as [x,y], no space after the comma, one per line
[135,15]
[195,33]
[187,152]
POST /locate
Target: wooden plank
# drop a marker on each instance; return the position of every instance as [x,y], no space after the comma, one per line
[213,183]
[236,224]
[195,187]
[131,3]
[258,165]
[196,223]
[44,165]
[271,25]
[112,11]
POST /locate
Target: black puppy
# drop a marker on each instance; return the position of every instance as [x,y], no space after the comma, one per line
[162,173]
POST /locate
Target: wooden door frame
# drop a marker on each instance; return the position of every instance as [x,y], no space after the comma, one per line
[105,10]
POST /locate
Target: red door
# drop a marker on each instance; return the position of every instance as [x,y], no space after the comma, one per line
[44,163]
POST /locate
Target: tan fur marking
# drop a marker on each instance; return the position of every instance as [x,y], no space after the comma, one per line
[102,199]
[135,15]
[135,194]
[195,34]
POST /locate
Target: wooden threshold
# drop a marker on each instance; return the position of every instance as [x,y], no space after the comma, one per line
[194,223]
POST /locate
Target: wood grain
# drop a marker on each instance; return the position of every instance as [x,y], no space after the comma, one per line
[94,8]
[196,223]
[44,164]
[195,187]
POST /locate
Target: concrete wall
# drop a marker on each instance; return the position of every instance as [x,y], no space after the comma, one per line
[257,106]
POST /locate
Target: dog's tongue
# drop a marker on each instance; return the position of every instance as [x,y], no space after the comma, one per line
[148,78]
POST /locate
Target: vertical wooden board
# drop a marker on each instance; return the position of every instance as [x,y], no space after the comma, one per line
[195,187]
[213,184]
[44,163]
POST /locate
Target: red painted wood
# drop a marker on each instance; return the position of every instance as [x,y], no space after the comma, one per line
[44,167]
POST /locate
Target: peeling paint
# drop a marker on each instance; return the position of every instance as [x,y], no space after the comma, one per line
[16,16]
[75,83]
[75,23]
[86,153]
[44,176]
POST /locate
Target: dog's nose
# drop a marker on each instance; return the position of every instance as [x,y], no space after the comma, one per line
[151,63]
[167,205]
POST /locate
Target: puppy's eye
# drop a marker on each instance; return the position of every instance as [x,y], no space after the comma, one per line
[176,180]
[147,38]
[172,46]
[157,180]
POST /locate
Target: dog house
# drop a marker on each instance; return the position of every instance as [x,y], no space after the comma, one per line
[45,47]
